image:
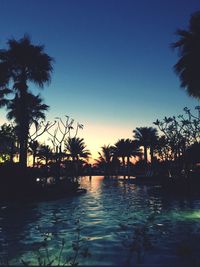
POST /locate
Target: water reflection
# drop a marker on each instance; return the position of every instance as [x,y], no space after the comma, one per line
[109,217]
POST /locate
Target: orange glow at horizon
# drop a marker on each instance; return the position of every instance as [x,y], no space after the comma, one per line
[97,135]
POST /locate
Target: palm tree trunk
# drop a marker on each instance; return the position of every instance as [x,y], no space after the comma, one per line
[23,149]
[128,165]
[145,154]
[23,135]
[23,124]
[34,157]
[124,166]
[151,153]
[46,161]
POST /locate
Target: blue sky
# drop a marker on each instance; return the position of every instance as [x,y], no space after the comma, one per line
[113,61]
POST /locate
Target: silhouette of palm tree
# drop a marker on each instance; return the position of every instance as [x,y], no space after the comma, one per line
[188,65]
[146,137]
[45,153]
[34,111]
[105,159]
[76,148]
[21,63]
[3,93]
[126,148]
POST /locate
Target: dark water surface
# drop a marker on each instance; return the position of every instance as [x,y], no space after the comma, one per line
[115,223]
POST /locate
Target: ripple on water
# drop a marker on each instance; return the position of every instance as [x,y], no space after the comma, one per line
[108,217]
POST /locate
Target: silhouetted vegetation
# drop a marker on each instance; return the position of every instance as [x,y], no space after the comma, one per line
[172,154]
[168,156]
[180,133]
[188,65]
[108,161]
[8,141]
[21,63]
[146,137]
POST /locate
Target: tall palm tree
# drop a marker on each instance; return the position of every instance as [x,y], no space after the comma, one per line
[120,151]
[76,148]
[20,64]
[188,65]
[35,110]
[126,148]
[146,137]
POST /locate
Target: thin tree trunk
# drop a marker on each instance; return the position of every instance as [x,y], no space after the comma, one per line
[23,147]
[145,154]
[124,166]
[151,153]
[23,125]
[34,157]
[128,165]
[46,161]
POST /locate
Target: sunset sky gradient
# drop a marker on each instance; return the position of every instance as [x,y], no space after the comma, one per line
[113,61]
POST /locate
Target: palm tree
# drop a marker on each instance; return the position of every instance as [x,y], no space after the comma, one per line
[146,137]
[21,63]
[76,148]
[120,150]
[105,159]
[126,148]
[188,65]
[34,111]
[45,153]
[3,93]
[106,154]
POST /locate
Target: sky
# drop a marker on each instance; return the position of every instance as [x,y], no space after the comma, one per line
[113,68]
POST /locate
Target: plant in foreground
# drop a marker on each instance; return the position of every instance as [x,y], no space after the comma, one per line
[44,257]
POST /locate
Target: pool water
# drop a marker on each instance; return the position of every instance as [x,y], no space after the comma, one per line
[114,223]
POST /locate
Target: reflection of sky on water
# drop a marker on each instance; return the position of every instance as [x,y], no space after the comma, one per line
[108,215]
